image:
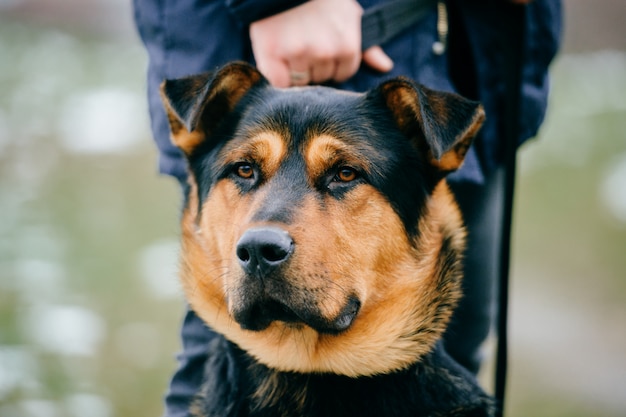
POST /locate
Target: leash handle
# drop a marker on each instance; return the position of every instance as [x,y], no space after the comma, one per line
[386,20]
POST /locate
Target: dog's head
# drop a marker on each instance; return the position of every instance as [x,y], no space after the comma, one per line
[318,233]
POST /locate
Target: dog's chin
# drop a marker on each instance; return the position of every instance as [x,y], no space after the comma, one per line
[259,315]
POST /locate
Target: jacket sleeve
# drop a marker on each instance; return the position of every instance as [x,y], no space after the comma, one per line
[248,11]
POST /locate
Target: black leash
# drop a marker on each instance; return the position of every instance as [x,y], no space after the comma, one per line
[513,29]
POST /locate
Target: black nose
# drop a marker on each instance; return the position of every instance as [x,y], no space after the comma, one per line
[262,249]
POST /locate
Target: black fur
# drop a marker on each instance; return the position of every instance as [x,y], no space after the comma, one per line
[435,387]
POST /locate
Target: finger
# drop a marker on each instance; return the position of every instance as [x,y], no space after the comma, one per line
[377,59]
[299,71]
[347,67]
[323,71]
[276,71]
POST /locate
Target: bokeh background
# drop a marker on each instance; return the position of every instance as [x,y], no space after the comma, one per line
[89,302]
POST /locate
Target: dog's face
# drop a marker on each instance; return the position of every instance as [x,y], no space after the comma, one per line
[318,233]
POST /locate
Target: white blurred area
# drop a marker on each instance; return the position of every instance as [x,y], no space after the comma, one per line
[112,18]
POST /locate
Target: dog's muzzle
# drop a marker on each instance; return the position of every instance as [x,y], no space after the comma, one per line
[264,295]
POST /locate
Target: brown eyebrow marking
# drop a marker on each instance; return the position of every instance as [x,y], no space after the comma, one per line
[324,151]
[266,148]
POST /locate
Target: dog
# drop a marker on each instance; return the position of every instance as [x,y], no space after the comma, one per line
[321,242]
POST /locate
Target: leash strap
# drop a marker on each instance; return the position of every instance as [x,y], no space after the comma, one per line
[384,21]
[514,32]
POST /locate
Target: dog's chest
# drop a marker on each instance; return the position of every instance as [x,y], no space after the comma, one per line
[434,387]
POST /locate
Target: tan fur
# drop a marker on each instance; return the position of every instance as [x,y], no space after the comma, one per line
[404,105]
[453,159]
[325,151]
[353,246]
[181,137]
[266,148]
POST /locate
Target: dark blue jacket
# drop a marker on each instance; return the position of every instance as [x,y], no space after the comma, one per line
[184,37]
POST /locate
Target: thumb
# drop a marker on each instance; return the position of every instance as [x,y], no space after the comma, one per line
[377,59]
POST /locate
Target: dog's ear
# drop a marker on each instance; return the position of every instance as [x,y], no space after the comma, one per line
[196,105]
[442,125]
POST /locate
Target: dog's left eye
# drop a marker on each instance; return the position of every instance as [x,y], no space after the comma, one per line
[244,171]
[346,174]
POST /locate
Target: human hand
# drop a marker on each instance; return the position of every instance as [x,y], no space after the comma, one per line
[317,41]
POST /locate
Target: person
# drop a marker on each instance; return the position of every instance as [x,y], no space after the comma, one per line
[457,46]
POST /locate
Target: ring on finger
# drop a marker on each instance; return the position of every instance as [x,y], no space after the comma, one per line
[299,76]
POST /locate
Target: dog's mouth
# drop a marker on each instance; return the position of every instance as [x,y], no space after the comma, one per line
[257,316]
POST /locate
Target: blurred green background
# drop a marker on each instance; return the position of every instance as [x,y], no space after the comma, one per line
[89,301]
